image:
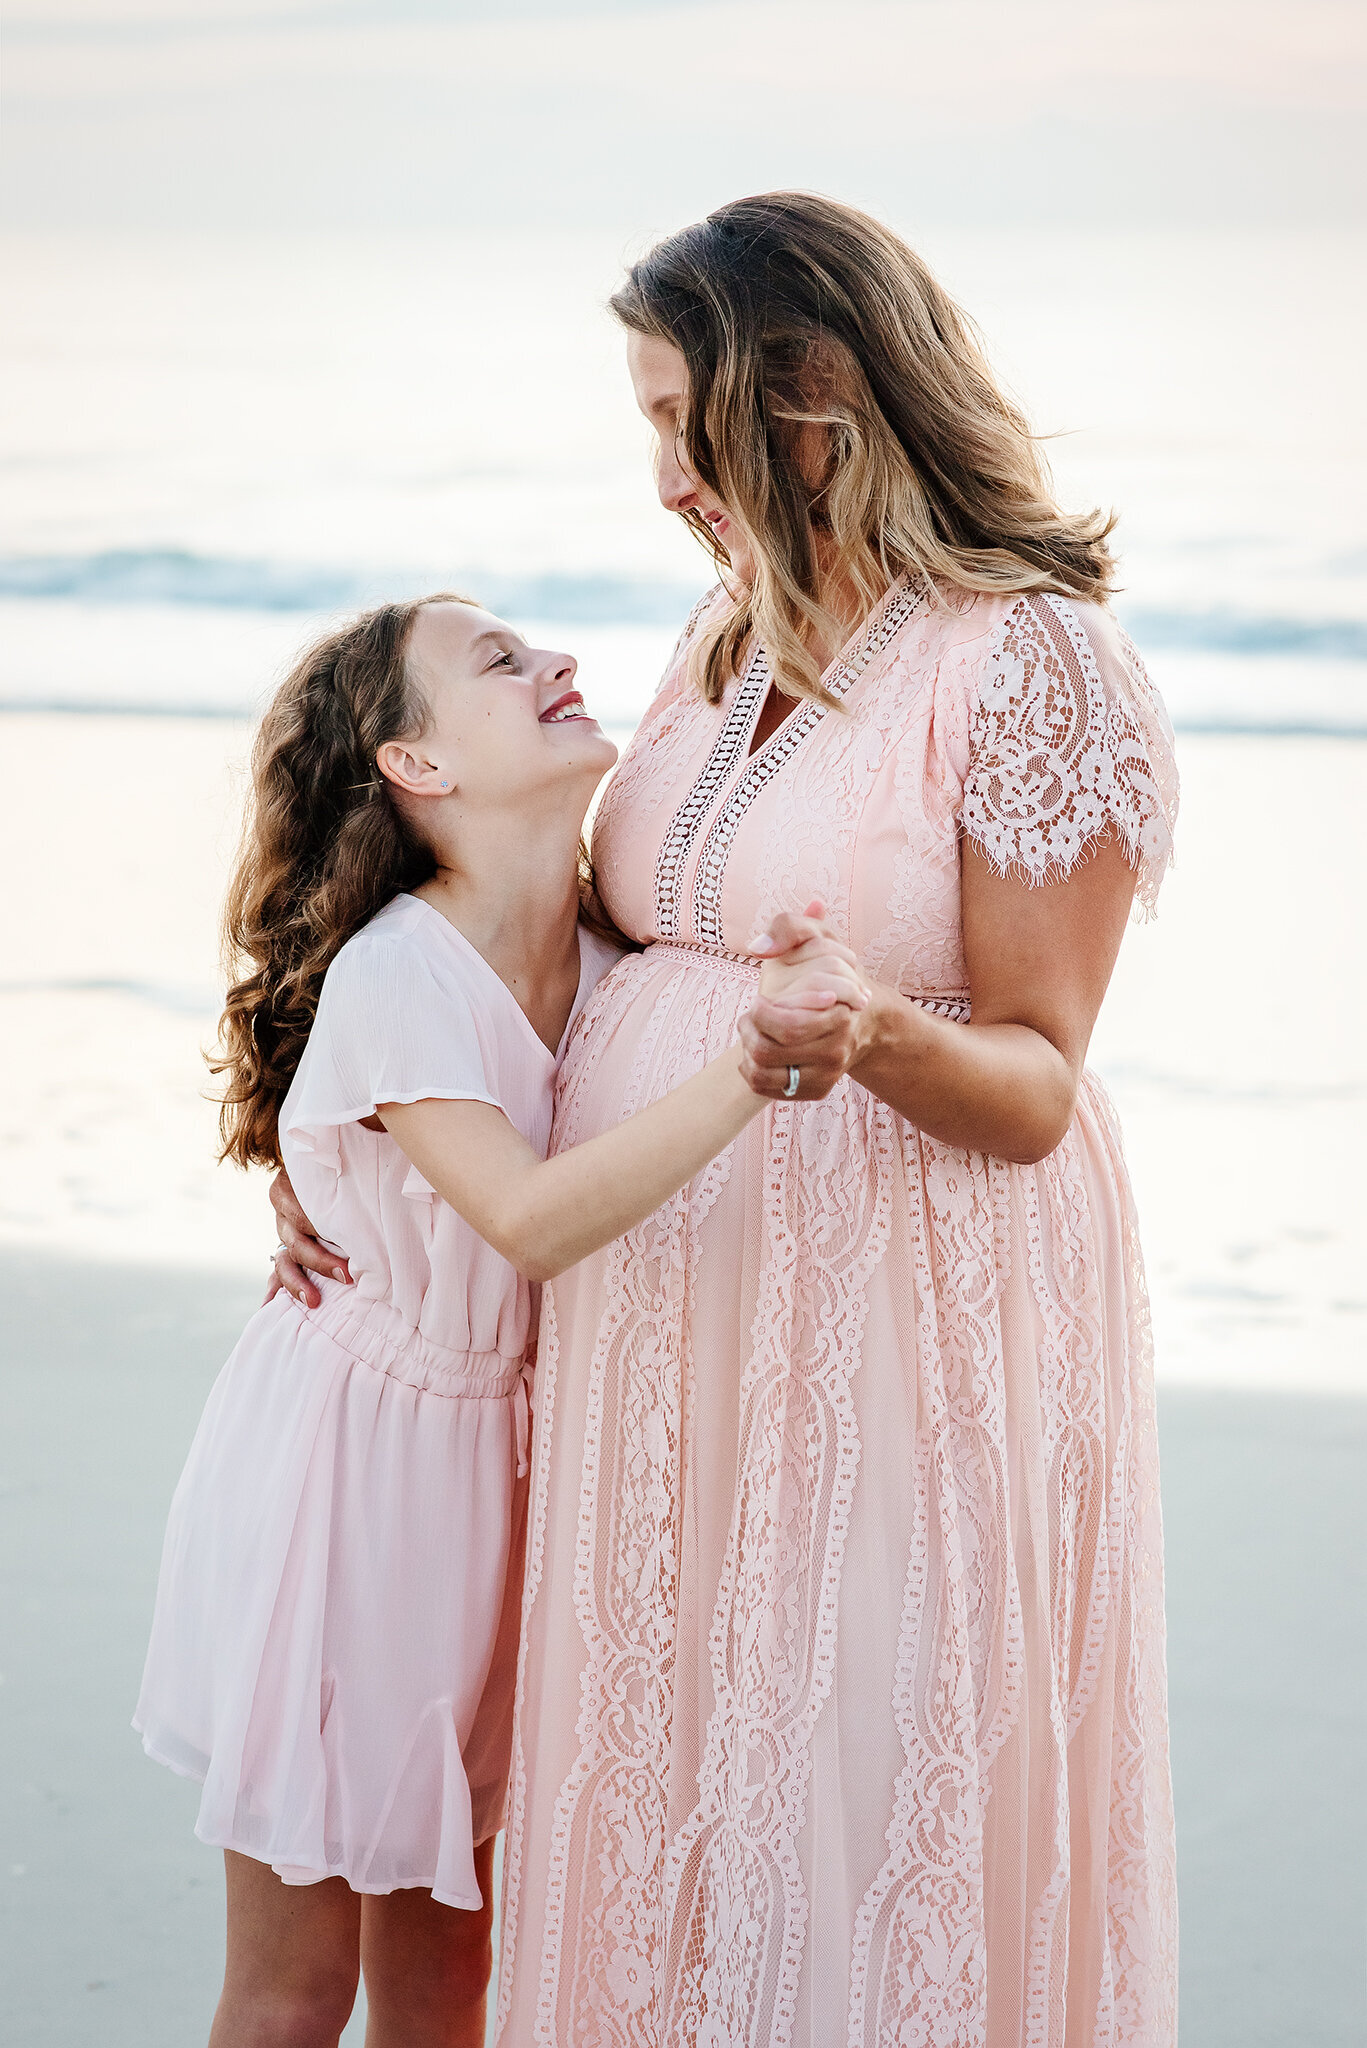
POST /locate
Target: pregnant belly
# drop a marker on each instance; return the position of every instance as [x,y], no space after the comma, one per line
[656,1019]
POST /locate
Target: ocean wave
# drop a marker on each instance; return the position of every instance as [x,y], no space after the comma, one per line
[184,1002]
[1225,631]
[175,576]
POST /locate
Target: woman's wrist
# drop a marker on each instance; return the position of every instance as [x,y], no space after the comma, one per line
[889,1029]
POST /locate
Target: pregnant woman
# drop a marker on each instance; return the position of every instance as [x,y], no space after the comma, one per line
[842,1712]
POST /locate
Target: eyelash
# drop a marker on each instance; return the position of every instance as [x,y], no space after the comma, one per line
[506,656]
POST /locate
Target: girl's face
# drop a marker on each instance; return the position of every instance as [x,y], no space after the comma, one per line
[659,377]
[506,725]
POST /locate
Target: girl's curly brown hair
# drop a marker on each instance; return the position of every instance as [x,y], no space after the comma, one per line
[325,847]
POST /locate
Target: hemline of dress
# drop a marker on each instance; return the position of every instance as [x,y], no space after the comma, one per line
[365,1891]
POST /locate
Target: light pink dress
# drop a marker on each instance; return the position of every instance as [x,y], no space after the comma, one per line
[335,1635]
[842,1702]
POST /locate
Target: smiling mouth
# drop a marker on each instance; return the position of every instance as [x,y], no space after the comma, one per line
[564,709]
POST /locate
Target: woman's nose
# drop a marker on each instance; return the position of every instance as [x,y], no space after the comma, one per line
[673,482]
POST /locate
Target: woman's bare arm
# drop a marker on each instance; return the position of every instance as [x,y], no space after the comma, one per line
[1039,960]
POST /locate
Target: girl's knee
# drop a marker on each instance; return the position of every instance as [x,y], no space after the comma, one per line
[307,2015]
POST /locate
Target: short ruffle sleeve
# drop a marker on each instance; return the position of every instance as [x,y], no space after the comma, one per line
[388,1029]
[1069,741]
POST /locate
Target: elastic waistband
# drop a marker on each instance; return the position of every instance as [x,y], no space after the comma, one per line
[955,1007]
[715,956]
[375,1333]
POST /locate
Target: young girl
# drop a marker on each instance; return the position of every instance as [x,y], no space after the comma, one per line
[333,1649]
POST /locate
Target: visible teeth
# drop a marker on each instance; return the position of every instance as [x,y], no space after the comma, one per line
[567,711]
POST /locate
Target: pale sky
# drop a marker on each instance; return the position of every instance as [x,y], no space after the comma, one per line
[426,114]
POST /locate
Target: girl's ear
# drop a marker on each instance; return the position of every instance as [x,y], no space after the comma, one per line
[410,771]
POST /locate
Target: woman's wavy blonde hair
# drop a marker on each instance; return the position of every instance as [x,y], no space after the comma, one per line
[324,848]
[806,326]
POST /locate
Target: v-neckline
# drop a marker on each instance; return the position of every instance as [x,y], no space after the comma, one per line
[732,776]
[468,946]
[846,656]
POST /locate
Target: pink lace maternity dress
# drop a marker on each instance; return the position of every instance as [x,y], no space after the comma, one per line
[841,1698]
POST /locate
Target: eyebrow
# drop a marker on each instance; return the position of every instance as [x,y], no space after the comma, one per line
[491,635]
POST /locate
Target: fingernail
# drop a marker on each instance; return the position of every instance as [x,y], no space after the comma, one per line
[763,944]
[338,1274]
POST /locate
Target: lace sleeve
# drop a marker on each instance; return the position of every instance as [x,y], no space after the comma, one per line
[1070,740]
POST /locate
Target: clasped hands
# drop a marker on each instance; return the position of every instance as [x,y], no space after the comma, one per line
[812,1012]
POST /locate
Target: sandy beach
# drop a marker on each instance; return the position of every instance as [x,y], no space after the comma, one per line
[128,1261]
[114,1912]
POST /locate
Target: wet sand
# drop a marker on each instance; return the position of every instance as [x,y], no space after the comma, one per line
[113,1912]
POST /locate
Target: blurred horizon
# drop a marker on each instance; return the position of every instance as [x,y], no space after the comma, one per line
[640,115]
[308,309]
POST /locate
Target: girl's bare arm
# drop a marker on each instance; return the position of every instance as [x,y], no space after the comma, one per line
[547,1214]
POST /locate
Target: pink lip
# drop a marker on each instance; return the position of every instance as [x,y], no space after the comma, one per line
[570,697]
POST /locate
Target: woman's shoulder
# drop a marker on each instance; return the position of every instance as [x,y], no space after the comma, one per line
[980,620]
[986,625]
[1006,649]
[707,607]
[704,613]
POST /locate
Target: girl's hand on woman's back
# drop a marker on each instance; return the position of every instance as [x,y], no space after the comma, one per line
[812,995]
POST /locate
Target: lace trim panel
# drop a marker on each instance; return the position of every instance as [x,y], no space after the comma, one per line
[543,1437]
[727,749]
[919,1961]
[884,626]
[604,1926]
[735,1890]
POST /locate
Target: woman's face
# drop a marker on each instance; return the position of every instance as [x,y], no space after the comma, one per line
[659,377]
[506,724]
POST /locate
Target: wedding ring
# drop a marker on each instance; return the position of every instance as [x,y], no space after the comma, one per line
[794,1082]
